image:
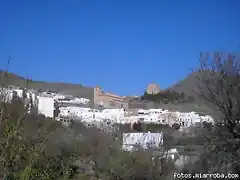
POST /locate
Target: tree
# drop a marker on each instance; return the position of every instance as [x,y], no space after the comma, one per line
[27,144]
[165,96]
[207,125]
[219,87]
[176,126]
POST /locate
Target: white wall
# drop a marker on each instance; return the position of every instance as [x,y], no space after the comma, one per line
[80,112]
[7,94]
[118,115]
[34,98]
[46,106]
[155,140]
[19,92]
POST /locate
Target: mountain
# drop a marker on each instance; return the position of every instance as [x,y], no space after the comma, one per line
[8,78]
[187,85]
[184,90]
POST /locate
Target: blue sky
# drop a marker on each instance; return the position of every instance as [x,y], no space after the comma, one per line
[121,45]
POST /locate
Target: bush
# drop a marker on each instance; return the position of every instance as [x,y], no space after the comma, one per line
[166,97]
[176,126]
[146,127]
[36,147]
[28,150]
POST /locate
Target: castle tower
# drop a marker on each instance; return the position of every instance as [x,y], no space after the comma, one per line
[153,89]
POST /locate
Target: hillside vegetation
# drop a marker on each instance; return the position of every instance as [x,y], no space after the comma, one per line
[167,96]
[37,148]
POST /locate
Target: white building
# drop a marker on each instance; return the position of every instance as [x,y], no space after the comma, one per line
[7,94]
[19,92]
[58,97]
[79,112]
[34,98]
[63,99]
[156,116]
[116,115]
[143,140]
[191,118]
[81,100]
[46,106]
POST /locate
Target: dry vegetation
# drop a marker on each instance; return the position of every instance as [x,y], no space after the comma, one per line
[34,147]
[37,148]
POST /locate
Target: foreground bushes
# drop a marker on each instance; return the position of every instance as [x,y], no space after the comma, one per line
[35,147]
[27,149]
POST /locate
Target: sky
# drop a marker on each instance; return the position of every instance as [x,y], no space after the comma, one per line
[119,45]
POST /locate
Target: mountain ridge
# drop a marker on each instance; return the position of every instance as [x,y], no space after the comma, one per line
[186,85]
[9,78]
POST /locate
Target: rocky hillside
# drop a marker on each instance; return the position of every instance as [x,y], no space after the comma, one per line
[187,85]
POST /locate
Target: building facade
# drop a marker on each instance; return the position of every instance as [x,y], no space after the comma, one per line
[109,100]
[46,106]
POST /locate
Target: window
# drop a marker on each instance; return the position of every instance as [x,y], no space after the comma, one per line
[121,105]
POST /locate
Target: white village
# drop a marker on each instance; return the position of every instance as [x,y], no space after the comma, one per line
[67,109]
[119,90]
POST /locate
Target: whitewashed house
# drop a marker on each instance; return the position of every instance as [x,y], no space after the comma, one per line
[155,116]
[7,94]
[80,113]
[19,92]
[116,115]
[191,118]
[46,106]
[58,97]
[72,100]
[81,101]
[144,140]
